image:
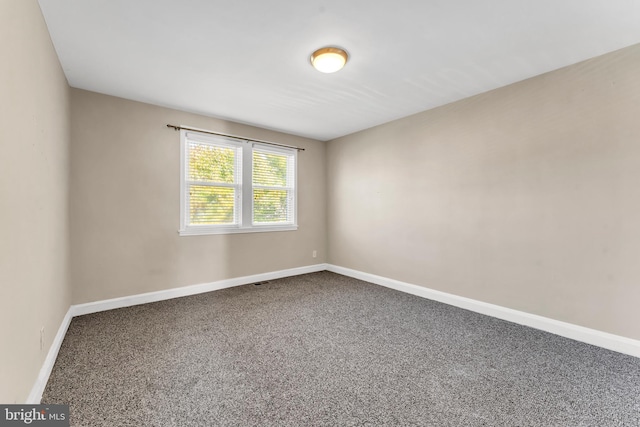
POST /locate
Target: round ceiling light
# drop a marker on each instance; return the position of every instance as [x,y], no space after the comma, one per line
[329,59]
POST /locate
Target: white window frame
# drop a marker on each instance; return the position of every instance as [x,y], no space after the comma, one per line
[244,197]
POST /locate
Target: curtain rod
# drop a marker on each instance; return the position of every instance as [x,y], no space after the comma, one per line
[234,136]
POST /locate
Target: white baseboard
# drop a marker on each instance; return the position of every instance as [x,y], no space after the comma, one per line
[47,366]
[93,307]
[579,333]
[110,304]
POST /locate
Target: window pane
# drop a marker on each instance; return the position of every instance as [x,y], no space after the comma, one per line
[269,169]
[271,206]
[211,205]
[210,163]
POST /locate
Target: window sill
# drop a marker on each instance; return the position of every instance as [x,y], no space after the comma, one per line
[197,231]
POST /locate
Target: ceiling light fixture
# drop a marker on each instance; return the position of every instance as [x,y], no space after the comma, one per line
[329,59]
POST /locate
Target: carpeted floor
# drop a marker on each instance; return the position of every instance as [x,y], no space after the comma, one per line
[326,350]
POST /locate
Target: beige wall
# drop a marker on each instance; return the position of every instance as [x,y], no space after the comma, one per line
[125,204]
[34,142]
[527,196]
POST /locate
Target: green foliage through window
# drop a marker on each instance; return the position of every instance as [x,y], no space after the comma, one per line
[209,205]
[220,195]
[270,205]
[269,169]
[271,198]
[211,163]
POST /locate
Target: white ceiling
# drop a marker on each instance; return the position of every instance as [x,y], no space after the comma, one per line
[248,60]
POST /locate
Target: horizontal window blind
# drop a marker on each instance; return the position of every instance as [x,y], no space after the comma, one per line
[229,186]
[212,205]
[273,187]
[213,183]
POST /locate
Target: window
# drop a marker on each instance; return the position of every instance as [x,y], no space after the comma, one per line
[230,186]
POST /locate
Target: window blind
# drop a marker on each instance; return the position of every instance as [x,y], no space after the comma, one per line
[213,183]
[230,186]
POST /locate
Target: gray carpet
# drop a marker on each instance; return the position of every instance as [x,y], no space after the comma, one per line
[326,350]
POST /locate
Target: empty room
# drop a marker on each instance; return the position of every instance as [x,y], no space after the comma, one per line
[322,213]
